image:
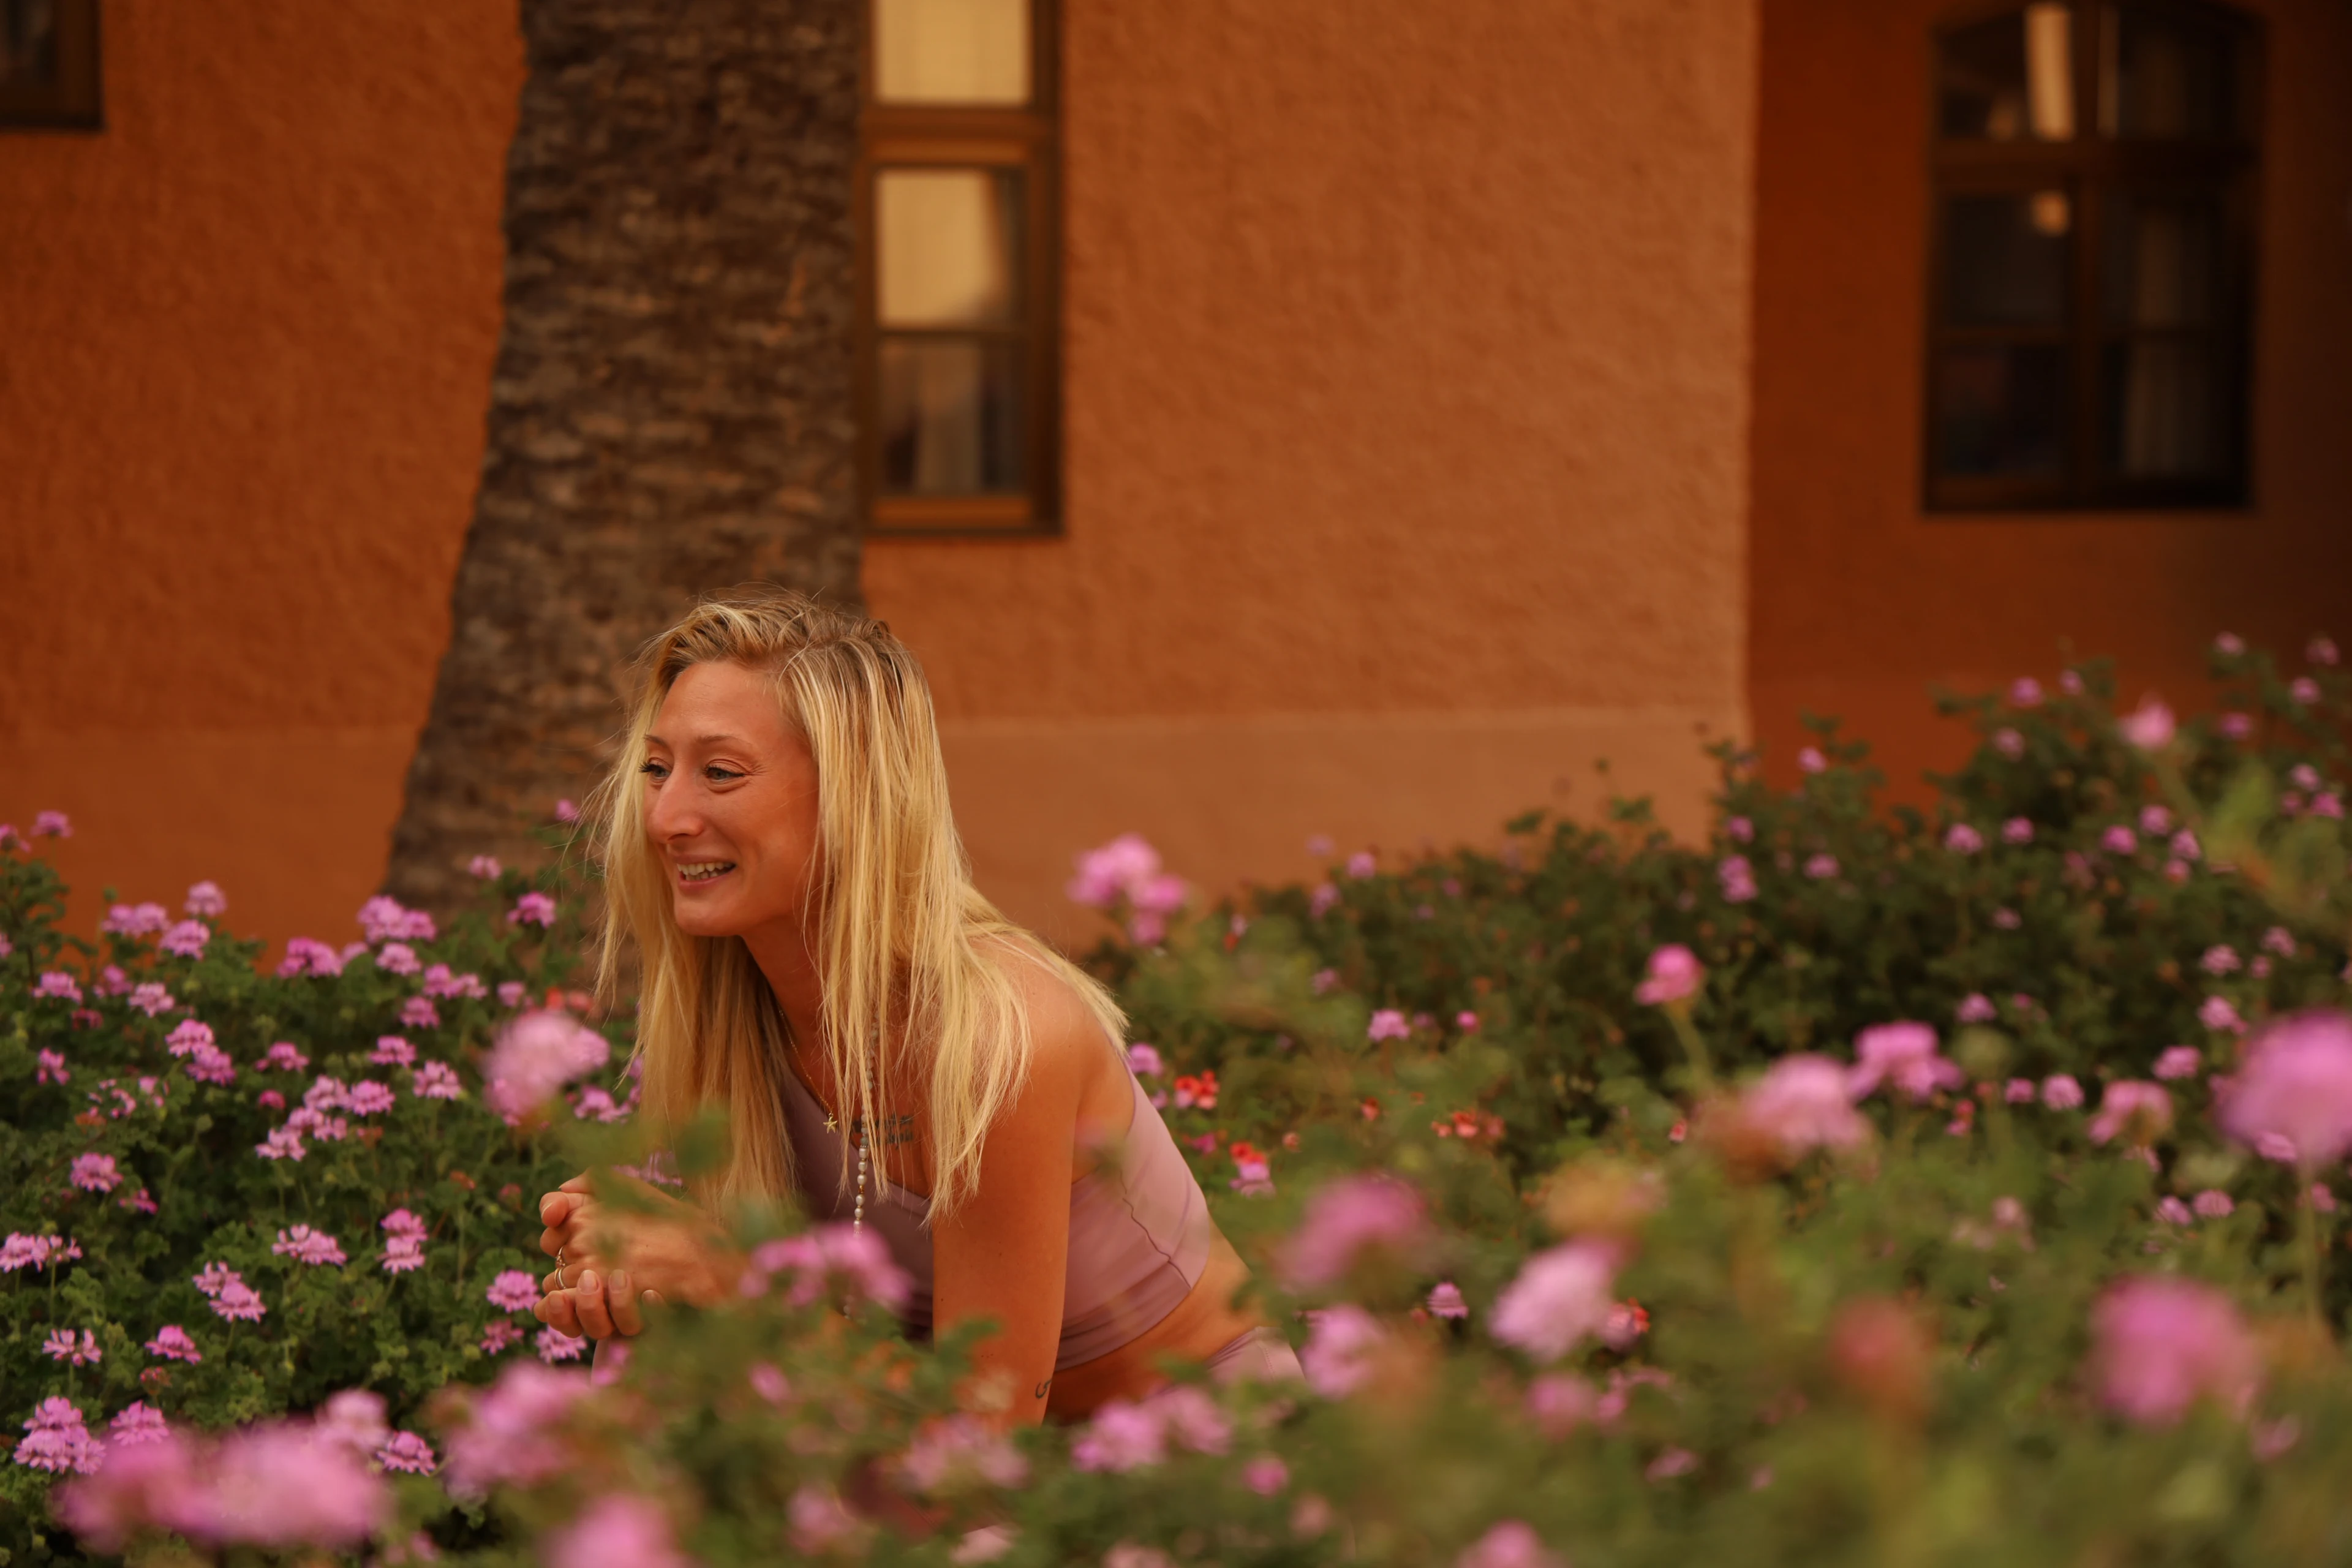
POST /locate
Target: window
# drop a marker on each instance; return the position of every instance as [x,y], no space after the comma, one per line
[48,63]
[2091,257]
[959,246]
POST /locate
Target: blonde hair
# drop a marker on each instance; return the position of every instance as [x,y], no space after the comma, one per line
[914,962]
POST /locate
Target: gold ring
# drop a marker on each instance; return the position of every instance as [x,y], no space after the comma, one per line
[559,1266]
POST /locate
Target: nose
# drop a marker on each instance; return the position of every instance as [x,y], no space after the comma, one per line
[671,813]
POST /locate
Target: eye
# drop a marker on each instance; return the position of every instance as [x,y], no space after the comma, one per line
[718,774]
[654,771]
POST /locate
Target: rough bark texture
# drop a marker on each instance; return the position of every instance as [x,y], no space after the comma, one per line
[671,413]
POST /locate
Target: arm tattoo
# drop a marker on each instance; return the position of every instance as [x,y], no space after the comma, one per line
[1044,1386]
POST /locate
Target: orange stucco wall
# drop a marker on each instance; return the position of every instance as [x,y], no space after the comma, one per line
[1405,453]
[1860,599]
[248,332]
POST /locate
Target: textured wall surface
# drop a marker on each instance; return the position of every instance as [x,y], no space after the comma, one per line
[249,335]
[1407,370]
[671,410]
[1860,598]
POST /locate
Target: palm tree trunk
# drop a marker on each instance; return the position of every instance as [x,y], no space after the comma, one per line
[671,409]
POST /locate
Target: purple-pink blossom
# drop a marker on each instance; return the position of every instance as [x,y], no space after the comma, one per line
[959,1452]
[51,824]
[1976,1007]
[2008,742]
[2160,1344]
[2025,692]
[1811,761]
[2213,1203]
[137,1422]
[1512,1543]
[2296,1084]
[552,1345]
[135,920]
[508,1431]
[1342,1343]
[1736,879]
[56,982]
[239,1302]
[1739,829]
[2017,830]
[535,1056]
[1558,1404]
[2061,1091]
[1350,1217]
[532,909]
[2149,727]
[411,1456]
[368,1098]
[2142,1110]
[1444,1301]
[398,958]
[485,867]
[1561,1295]
[2219,960]
[172,1343]
[513,1292]
[2218,1013]
[303,1244]
[439,982]
[1904,1054]
[1675,975]
[1962,839]
[417,1013]
[2303,689]
[617,1528]
[96,1172]
[435,1080]
[207,902]
[2175,1062]
[1803,1102]
[392,1050]
[185,940]
[57,1440]
[828,1262]
[151,998]
[61,1345]
[1388,1024]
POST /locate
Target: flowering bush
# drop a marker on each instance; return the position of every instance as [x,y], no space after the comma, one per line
[227,1191]
[1852,1188]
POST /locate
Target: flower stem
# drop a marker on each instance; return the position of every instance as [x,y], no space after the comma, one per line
[1702,1069]
[2313,1263]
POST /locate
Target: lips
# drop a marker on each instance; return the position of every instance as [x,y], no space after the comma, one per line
[698,872]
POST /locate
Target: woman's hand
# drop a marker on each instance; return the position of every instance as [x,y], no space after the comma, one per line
[615,1261]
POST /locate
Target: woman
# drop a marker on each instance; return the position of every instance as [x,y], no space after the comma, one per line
[887,1047]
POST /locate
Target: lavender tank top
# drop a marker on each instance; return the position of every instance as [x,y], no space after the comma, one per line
[1139,1228]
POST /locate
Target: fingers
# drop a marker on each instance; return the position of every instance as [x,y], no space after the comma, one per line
[578,1184]
[626,1317]
[558,1312]
[588,1297]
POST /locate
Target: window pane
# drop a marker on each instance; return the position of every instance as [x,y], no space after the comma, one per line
[949,245]
[2009,77]
[2001,408]
[2005,258]
[2166,74]
[29,43]
[2165,415]
[952,51]
[951,415]
[2163,263]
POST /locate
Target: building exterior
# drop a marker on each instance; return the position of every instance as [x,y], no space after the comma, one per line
[1450,398]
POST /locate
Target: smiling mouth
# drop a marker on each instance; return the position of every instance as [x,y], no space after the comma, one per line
[706,871]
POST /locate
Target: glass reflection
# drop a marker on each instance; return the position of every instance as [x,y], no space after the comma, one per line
[2163,261]
[948,244]
[2009,77]
[952,51]
[2166,74]
[2001,408]
[951,418]
[2005,258]
[2164,420]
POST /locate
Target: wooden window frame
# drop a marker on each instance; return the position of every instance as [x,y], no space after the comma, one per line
[73,102]
[2091,168]
[1027,137]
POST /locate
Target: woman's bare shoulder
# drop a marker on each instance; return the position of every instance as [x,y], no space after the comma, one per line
[1068,1040]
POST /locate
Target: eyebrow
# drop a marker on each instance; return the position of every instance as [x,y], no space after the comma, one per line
[698,739]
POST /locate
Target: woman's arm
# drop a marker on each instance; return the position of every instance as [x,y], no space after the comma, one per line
[1004,1255]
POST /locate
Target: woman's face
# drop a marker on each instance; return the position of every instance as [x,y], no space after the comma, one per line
[731,802]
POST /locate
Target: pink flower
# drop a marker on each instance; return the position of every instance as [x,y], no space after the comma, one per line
[1362,865]
[135,920]
[417,1013]
[2161,1344]
[138,1422]
[2119,840]
[1736,879]
[1446,1300]
[513,1292]
[532,909]
[1348,1219]
[283,1144]
[2172,1211]
[1111,872]
[137,1202]
[51,824]
[2219,960]
[2143,1109]
[512,993]
[1323,900]
[2303,689]
[151,998]
[1810,760]
[172,1343]
[2008,742]
[398,958]
[186,939]
[2017,830]
[1388,1024]
[2217,1014]
[207,902]
[959,1452]
[617,1528]
[58,984]
[303,1244]
[61,1345]
[565,811]
[769,1383]
[1739,829]
[1903,1053]
[2060,1091]
[285,1056]
[817,1521]
[2237,726]
[2070,683]
[1670,1463]
[2278,939]
[392,1050]
[537,1055]
[508,1431]
[1466,1021]
[2154,821]
[1962,839]
[2025,692]
[2006,919]
[239,1302]
[96,1172]
[2296,1084]
[825,1262]
[2228,645]
[1560,1297]
[2327,803]
[435,1080]
[1510,1544]
[485,867]
[1265,1474]
[1674,975]
[56,1441]
[440,982]
[2213,1203]
[554,1345]
[188,1036]
[368,1098]
[2149,727]
[1803,1102]
[500,1335]
[2179,1062]
[1558,1404]
[207,1065]
[412,1455]
[1144,1061]
[1976,1007]
[1341,1343]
